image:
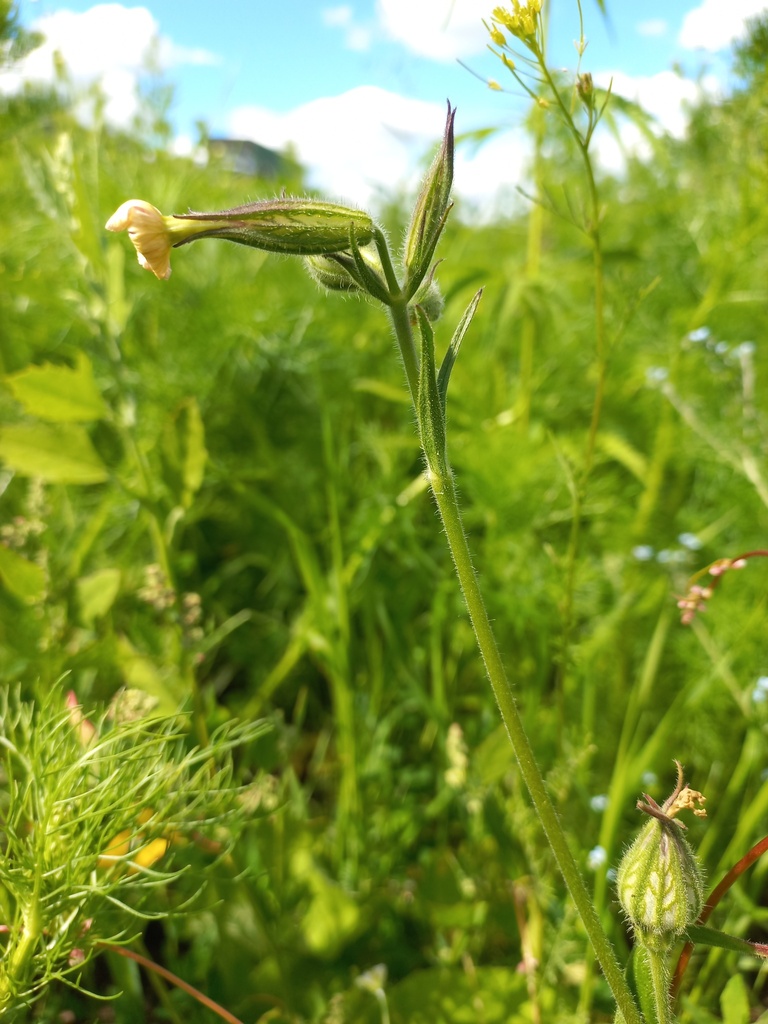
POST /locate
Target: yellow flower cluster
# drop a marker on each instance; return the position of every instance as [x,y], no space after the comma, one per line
[521,20]
[134,849]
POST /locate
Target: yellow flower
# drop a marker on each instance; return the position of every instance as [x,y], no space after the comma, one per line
[135,849]
[148,230]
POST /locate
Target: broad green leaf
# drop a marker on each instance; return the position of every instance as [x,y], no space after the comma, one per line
[184,451]
[734,1002]
[333,916]
[96,594]
[62,454]
[143,674]
[493,995]
[494,757]
[21,577]
[60,394]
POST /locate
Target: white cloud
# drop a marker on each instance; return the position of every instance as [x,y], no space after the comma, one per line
[664,96]
[172,55]
[353,144]
[108,43]
[337,16]
[652,27]
[356,37]
[359,38]
[486,179]
[715,24]
[439,29]
[369,142]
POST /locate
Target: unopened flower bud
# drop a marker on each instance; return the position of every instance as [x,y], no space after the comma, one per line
[431,209]
[431,300]
[358,271]
[586,90]
[330,274]
[659,882]
[86,730]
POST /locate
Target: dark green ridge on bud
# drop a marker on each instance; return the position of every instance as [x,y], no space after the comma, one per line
[294,226]
[430,212]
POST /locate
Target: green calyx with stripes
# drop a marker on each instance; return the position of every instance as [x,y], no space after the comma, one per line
[659,882]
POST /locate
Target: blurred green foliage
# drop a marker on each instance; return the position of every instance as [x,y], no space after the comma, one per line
[236,435]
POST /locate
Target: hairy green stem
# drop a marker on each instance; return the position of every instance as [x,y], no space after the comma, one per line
[401,323]
[15,967]
[658,961]
[446,499]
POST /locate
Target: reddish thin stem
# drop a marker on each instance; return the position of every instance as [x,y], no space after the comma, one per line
[174,979]
[717,894]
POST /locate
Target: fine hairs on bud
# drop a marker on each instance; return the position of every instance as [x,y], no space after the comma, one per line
[659,883]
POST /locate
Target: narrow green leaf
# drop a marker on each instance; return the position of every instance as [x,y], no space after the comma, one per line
[62,454]
[381,389]
[21,577]
[368,277]
[623,452]
[428,401]
[453,349]
[711,937]
[59,394]
[184,451]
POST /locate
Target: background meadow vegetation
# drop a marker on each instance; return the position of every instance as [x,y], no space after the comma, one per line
[237,435]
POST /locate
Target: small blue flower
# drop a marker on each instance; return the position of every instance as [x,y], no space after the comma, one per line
[649,779]
[643,552]
[656,374]
[596,858]
[666,556]
[700,334]
[690,541]
[760,691]
[599,802]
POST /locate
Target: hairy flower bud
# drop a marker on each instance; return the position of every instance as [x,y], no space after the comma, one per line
[432,207]
[330,274]
[431,300]
[296,227]
[659,882]
[586,90]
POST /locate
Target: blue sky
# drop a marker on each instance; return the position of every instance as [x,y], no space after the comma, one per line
[358,88]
